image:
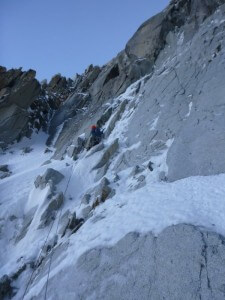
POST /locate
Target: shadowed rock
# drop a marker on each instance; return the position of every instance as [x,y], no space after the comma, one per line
[86,199]
[49,213]
[17,91]
[4,168]
[6,290]
[110,151]
[50,175]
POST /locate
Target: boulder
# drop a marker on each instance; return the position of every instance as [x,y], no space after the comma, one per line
[71,222]
[74,150]
[6,289]
[106,193]
[86,211]
[116,178]
[123,161]
[4,174]
[4,168]
[12,218]
[27,150]
[86,199]
[95,149]
[104,182]
[47,150]
[137,170]
[140,182]
[103,191]
[50,211]
[101,172]
[110,151]
[162,176]
[150,166]
[75,225]
[50,175]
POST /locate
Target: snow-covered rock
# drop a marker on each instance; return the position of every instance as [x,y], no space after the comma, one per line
[50,175]
[183,262]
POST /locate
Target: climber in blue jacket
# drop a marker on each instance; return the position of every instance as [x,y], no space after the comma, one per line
[95,137]
[96,133]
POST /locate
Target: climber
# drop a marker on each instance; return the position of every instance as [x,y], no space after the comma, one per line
[95,138]
[97,133]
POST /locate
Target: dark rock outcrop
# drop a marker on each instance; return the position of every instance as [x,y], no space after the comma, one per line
[4,171]
[6,291]
[17,92]
[4,168]
[26,105]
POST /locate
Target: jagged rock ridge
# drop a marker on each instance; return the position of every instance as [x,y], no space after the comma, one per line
[25,105]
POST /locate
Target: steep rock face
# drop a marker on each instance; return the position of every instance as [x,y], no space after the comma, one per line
[179,102]
[150,38]
[144,47]
[117,75]
[182,101]
[183,262]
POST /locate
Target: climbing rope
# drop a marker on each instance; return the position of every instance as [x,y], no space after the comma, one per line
[46,240]
[37,260]
[56,232]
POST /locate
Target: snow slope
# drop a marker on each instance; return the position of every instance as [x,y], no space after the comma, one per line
[134,208]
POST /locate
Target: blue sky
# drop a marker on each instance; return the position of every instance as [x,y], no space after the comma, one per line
[65,36]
